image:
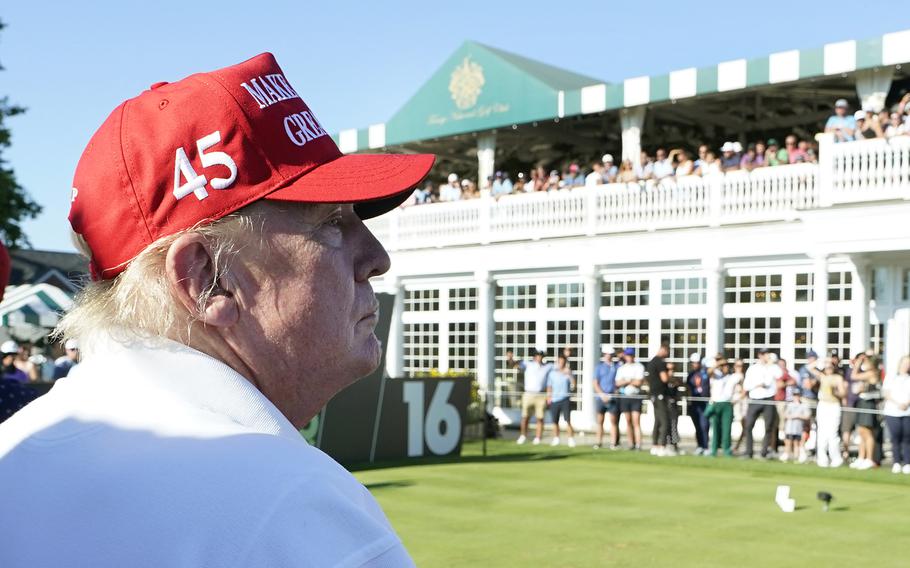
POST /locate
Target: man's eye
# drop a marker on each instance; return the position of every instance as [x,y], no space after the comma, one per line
[334,222]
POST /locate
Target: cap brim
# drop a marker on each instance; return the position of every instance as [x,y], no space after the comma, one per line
[374,183]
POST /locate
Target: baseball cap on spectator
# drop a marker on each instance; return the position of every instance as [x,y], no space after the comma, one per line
[763,351]
[811,353]
[453,177]
[191,152]
[695,358]
[607,349]
[841,103]
[4,269]
[628,351]
[772,142]
[465,182]
[608,158]
[498,174]
[727,147]
[859,115]
[9,348]
[71,344]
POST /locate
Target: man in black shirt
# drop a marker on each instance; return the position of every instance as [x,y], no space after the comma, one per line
[658,377]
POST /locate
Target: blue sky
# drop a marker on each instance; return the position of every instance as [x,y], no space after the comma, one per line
[355,63]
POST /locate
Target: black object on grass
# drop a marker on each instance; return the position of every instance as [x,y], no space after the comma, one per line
[825,498]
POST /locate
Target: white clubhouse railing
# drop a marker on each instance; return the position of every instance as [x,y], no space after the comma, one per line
[868,170]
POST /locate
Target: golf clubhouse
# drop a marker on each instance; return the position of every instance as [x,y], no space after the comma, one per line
[792,257]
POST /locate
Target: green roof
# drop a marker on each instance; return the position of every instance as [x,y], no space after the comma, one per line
[555,77]
[482,88]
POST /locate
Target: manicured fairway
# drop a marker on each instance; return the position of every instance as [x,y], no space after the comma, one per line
[536,506]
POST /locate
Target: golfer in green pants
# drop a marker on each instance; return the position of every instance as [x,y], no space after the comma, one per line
[724,385]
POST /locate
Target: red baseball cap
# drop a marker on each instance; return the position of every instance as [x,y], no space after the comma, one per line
[185,153]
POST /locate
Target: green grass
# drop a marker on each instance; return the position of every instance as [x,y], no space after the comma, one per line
[536,506]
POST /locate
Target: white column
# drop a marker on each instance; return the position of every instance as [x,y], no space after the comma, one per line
[591,340]
[632,119]
[862,287]
[872,86]
[394,357]
[486,157]
[820,308]
[897,325]
[897,338]
[714,317]
[486,364]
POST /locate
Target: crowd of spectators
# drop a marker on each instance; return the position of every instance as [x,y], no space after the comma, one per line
[665,164]
[816,412]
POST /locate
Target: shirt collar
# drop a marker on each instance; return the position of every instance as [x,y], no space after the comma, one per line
[193,377]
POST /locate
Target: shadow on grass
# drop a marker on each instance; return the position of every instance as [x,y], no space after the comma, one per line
[388,485]
[502,458]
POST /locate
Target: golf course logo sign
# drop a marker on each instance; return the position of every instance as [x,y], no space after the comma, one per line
[466,83]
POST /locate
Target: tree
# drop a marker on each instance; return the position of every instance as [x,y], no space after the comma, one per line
[15,204]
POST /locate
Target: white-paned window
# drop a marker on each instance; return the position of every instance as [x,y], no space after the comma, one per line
[683,291]
[421,347]
[516,297]
[519,337]
[566,295]
[463,347]
[877,337]
[839,335]
[463,299]
[802,339]
[805,291]
[562,334]
[744,336]
[623,333]
[684,336]
[421,300]
[753,288]
[840,286]
[619,293]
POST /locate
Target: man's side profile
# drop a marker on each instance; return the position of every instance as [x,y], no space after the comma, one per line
[230,301]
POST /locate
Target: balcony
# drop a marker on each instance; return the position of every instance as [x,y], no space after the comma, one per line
[847,173]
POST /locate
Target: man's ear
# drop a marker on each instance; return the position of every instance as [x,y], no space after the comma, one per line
[191,274]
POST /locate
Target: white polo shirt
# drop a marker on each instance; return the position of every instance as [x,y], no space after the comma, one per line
[761,380]
[630,372]
[163,456]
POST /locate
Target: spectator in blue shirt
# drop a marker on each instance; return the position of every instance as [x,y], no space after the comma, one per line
[604,401]
[699,386]
[841,124]
[560,383]
[502,185]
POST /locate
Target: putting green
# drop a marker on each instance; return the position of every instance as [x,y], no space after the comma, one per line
[541,506]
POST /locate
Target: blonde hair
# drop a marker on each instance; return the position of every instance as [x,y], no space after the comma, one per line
[139,303]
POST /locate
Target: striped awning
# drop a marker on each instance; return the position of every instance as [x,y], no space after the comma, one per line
[505,83]
[39,305]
